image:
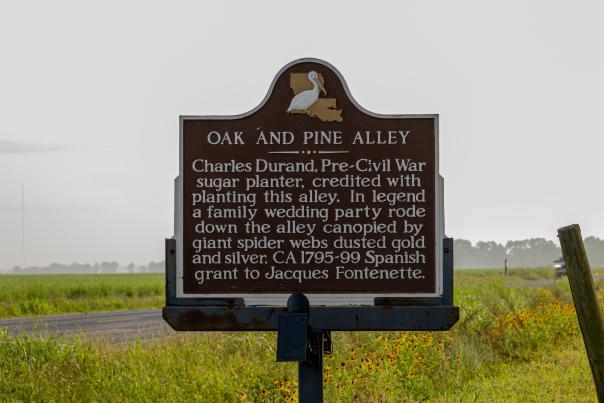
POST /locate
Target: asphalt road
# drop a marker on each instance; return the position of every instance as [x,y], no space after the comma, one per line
[114,327]
[126,326]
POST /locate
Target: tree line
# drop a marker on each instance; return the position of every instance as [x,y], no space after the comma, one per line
[534,252]
[87,268]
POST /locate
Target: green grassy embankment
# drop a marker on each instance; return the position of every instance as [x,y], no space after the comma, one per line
[29,295]
[511,344]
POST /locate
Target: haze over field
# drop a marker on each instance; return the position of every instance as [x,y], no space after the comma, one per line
[526,253]
[91,95]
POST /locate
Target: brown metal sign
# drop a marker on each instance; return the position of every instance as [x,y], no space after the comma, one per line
[309,192]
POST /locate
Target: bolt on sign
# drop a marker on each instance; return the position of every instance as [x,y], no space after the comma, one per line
[310,193]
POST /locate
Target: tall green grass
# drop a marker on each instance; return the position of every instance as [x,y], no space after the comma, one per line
[39,295]
[511,344]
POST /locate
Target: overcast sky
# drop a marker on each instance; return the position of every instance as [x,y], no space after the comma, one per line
[90,94]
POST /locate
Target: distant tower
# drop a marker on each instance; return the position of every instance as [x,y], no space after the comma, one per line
[23,225]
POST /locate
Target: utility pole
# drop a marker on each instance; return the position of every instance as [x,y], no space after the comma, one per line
[23,225]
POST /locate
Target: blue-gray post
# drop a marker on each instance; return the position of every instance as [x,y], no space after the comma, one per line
[310,372]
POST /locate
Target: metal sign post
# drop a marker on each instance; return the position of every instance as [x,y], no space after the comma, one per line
[304,332]
[306,215]
[299,342]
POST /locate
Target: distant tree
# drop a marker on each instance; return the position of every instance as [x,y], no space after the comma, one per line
[463,253]
[109,267]
[155,267]
[482,255]
[490,254]
[534,252]
[594,247]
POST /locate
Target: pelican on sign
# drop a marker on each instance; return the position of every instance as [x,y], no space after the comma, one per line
[306,99]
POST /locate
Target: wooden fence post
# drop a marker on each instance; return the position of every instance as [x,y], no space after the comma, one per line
[586,301]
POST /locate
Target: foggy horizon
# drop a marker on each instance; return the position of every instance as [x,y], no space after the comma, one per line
[92,94]
[531,249]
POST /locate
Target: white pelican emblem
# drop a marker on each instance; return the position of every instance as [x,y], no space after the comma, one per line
[306,99]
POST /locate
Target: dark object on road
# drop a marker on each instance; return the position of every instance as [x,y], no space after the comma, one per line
[560,267]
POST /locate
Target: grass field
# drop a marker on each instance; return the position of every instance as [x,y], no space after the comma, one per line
[41,295]
[511,344]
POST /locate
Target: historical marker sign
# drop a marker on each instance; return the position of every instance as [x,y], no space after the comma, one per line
[309,192]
